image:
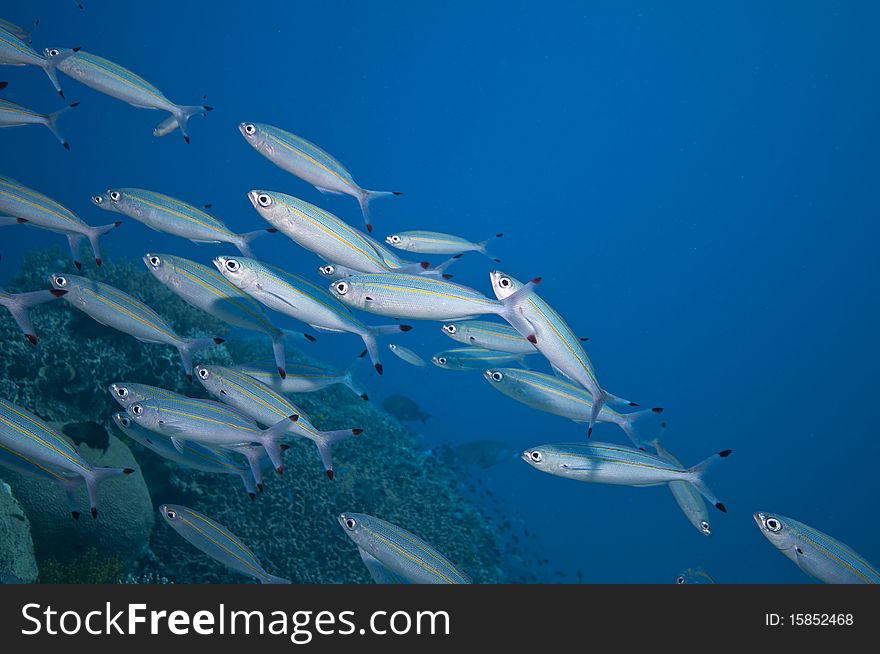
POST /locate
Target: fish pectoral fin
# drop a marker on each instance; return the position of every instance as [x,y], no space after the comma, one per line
[281,299]
[328,330]
[379,573]
[179,444]
[198,242]
[327,190]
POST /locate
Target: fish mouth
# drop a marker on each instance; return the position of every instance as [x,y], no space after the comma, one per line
[761,519]
[341,518]
[252,196]
[525,456]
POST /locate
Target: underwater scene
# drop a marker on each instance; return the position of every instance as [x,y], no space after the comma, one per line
[388,292]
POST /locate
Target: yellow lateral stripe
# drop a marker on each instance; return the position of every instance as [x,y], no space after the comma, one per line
[131,315]
[24,432]
[225,549]
[182,215]
[261,319]
[34,463]
[411,557]
[302,154]
[41,208]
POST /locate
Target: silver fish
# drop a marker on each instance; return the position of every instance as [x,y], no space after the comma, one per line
[562,398]
[19,303]
[194,455]
[424,242]
[14,115]
[407,355]
[818,555]
[402,553]
[16,31]
[546,329]
[401,295]
[308,162]
[688,498]
[326,235]
[172,216]
[15,52]
[216,541]
[209,423]
[126,393]
[490,335]
[24,435]
[694,576]
[334,271]
[120,83]
[605,463]
[305,378]
[114,308]
[34,469]
[255,399]
[30,207]
[475,358]
[301,300]
[206,289]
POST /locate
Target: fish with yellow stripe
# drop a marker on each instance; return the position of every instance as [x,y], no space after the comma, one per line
[14,51]
[19,303]
[114,308]
[216,541]
[259,402]
[14,115]
[490,335]
[194,455]
[562,398]
[394,555]
[816,554]
[546,329]
[210,423]
[16,30]
[302,300]
[208,290]
[120,83]
[310,163]
[66,481]
[605,463]
[305,377]
[475,358]
[425,242]
[163,213]
[27,438]
[32,208]
[330,238]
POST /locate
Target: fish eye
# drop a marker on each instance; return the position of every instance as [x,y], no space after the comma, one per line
[450,329]
[232,265]
[249,129]
[341,288]
[392,346]
[155,261]
[203,373]
[350,523]
[327,270]
[704,527]
[137,409]
[394,239]
[773,524]
[497,376]
[122,392]
[171,513]
[680,580]
[504,282]
[124,421]
[53,52]
[114,195]
[536,456]
[97,199]
[60,281]
[441,361]
[264,200]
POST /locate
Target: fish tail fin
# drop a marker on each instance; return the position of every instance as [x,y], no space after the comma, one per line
[70,486]
[243,241]
[190,345]
[440,268]
[182,114]
[628,425]
[271,440]
[255,462]
[52,123]
[325,446]
[484,244]
[272,579]
[278,351]
[94,233]
[695,476]
[19,304]
[372,346]
[349,380]
[249,482]
[94,477]
[511,310]
[364,200]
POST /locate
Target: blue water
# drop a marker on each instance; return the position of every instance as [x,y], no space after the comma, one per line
[695,183]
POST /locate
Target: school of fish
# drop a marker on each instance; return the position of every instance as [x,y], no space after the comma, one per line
[245,429]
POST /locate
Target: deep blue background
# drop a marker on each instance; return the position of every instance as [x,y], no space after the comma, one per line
[695,182]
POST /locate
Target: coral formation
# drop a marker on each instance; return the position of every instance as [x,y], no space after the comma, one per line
[17,562]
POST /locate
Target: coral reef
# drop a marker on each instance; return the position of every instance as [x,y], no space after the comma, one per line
[17,562]
[291,527]
[90,568]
